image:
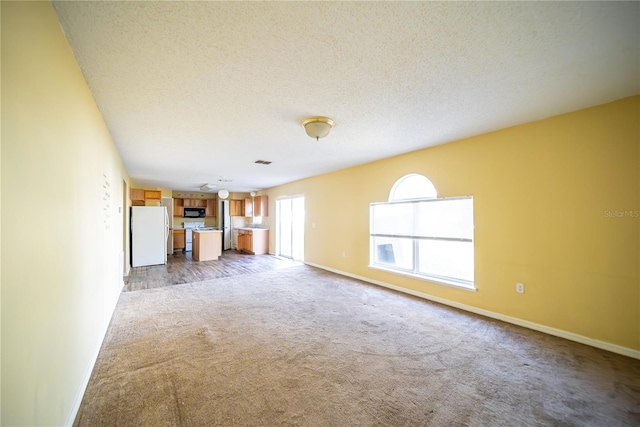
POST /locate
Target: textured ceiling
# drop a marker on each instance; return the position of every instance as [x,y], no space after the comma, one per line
[195,91]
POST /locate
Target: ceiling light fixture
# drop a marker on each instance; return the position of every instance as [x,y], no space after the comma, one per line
[223,194]
[208,187]
[318,127]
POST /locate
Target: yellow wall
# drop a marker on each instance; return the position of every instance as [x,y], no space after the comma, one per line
[545,194]
[541,192]
[61,254]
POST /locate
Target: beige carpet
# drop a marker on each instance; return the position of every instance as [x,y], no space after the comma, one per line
[304,347]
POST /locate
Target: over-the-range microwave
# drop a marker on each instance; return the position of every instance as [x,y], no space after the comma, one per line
[194,213]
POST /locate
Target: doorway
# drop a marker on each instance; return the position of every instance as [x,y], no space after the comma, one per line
[290,228]
[225,224]
[125,230]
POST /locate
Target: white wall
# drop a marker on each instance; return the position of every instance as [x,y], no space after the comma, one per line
[62,225]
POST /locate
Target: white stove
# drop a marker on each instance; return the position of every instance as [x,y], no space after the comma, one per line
[188,232]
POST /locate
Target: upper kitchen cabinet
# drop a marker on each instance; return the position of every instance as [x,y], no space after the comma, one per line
[212,208]
[142,197]
[152,195]
[178,207]
[208,202]
[248,207]
[235,207]
[195,203]
[261,206]
[137,196]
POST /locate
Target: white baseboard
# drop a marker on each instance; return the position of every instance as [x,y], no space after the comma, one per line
[625,351]
[92,362]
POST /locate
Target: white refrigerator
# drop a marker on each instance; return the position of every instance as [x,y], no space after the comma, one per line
[149,233]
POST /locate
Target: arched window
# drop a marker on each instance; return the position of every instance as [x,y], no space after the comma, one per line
[416,234]
[413,186]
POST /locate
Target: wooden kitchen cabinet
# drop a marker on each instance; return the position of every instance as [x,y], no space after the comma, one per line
[235,207]
[152,195]
[248,207]
[195,245]
[261,206]
[137,196]
[212,208]
[207,245]
[245,242]
[178,239]
[178,207]
[142,197]
[253,241]
[195,203]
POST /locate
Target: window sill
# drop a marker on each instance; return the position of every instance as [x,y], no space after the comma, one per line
[433,279]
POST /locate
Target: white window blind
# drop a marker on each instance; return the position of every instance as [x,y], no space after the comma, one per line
[429,238]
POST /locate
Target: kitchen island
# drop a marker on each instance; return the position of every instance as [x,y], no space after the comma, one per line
[207,244]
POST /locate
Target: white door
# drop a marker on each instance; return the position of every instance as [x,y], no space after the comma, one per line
[290,228]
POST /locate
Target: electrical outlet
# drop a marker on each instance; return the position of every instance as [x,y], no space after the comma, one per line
[520,288]
[344,254]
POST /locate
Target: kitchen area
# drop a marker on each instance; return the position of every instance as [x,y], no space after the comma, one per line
[197,225]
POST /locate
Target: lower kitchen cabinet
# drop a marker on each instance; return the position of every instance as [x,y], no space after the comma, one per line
[253,240]
[245,243]
[178,239]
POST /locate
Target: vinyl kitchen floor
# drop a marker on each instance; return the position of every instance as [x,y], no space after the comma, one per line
[181,268]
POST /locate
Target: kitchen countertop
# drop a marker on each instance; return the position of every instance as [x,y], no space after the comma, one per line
[198,230]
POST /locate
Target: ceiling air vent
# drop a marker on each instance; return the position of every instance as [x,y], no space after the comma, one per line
[262,162]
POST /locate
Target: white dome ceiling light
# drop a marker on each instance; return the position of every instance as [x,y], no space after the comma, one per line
[318,127]
[223,194]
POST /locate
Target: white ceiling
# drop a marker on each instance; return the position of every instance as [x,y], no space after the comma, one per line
[195,91]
